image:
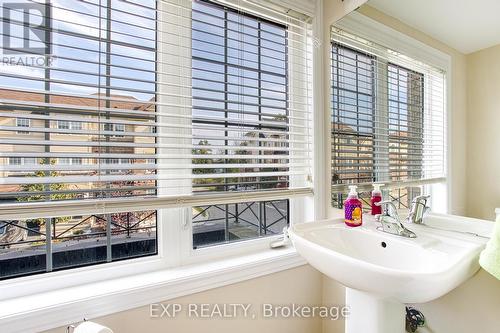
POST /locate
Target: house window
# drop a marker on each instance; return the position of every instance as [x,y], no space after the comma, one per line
[119,128]
[23,123]
[70,161]
[22,161]
[387,122]
[240,92]
[110,79]
[170,120]
[15,160]
[64,124]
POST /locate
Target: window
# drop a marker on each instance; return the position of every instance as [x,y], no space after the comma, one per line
[22,161]
[15,161]
[23,122]
[387,122]
[176,121]
[64,124]
[114,127]
[240,94]
[70,161]
[102,74]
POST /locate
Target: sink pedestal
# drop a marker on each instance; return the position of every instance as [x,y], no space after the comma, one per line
[372,314]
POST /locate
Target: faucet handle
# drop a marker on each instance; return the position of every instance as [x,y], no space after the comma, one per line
[421,197]
[418,209]
[388,205]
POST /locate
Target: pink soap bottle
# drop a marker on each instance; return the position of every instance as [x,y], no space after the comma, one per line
[376,197]
[353,208]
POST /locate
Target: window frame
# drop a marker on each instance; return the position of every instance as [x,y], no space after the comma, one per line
[20,124]
[380,118]
[258,68]
[376,32]
[174,249]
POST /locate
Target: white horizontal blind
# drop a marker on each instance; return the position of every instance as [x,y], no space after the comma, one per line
[388,115]
[157,98]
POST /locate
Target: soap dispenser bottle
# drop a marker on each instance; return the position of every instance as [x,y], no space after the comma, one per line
[353,208]
[376,197]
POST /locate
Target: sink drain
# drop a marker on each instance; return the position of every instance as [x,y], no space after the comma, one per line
[383,244]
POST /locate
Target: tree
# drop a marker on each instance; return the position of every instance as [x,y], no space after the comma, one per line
[201,160]
[38,189]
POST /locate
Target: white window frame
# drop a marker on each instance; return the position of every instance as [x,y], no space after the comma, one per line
[298,213]
[63,124]
[162,276]
[378,33]
[67,125]
[23,123]
[119,128]
[174,238]
[22,160]
[16,161]
[70,161]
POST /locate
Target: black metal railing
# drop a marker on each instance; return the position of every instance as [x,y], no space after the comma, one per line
[214,224]
[75,241]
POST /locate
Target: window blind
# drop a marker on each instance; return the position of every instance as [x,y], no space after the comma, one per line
[388,116]
[156,99]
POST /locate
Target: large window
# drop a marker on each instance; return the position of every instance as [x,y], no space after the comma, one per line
[149,121]
[240,94]
[387,123]
[102,72]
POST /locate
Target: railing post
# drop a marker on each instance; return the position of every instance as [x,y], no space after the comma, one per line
[226,233]
[260,217]
[108,238]
[264,222]
[236,214]
[128,224]
[48,244]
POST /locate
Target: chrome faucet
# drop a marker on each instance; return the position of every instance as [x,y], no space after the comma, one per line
[390,221]
[418,209]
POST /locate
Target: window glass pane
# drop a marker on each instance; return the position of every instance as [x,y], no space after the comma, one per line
[240,93]
[353,115]
[104,79]
[377,124]
[217,224]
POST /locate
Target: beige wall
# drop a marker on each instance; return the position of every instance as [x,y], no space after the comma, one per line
[472,307]
[302,285]
[483,139]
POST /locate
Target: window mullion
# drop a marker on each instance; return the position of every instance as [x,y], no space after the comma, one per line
[174,229]
[381,106]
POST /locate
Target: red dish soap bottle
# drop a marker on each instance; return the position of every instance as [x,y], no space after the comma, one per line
[353,208]
[376,197]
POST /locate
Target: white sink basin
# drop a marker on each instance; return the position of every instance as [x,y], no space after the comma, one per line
[391,268]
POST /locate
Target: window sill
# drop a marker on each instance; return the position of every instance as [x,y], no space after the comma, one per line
[66,306]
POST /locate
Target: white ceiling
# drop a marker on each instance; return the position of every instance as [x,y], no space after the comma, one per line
[466,25]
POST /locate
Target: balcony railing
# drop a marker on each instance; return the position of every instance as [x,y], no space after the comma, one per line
[26,248]
[217,224]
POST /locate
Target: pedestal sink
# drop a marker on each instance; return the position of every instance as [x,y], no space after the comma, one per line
[383,271]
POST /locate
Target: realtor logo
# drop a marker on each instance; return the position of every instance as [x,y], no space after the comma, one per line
[25,28]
